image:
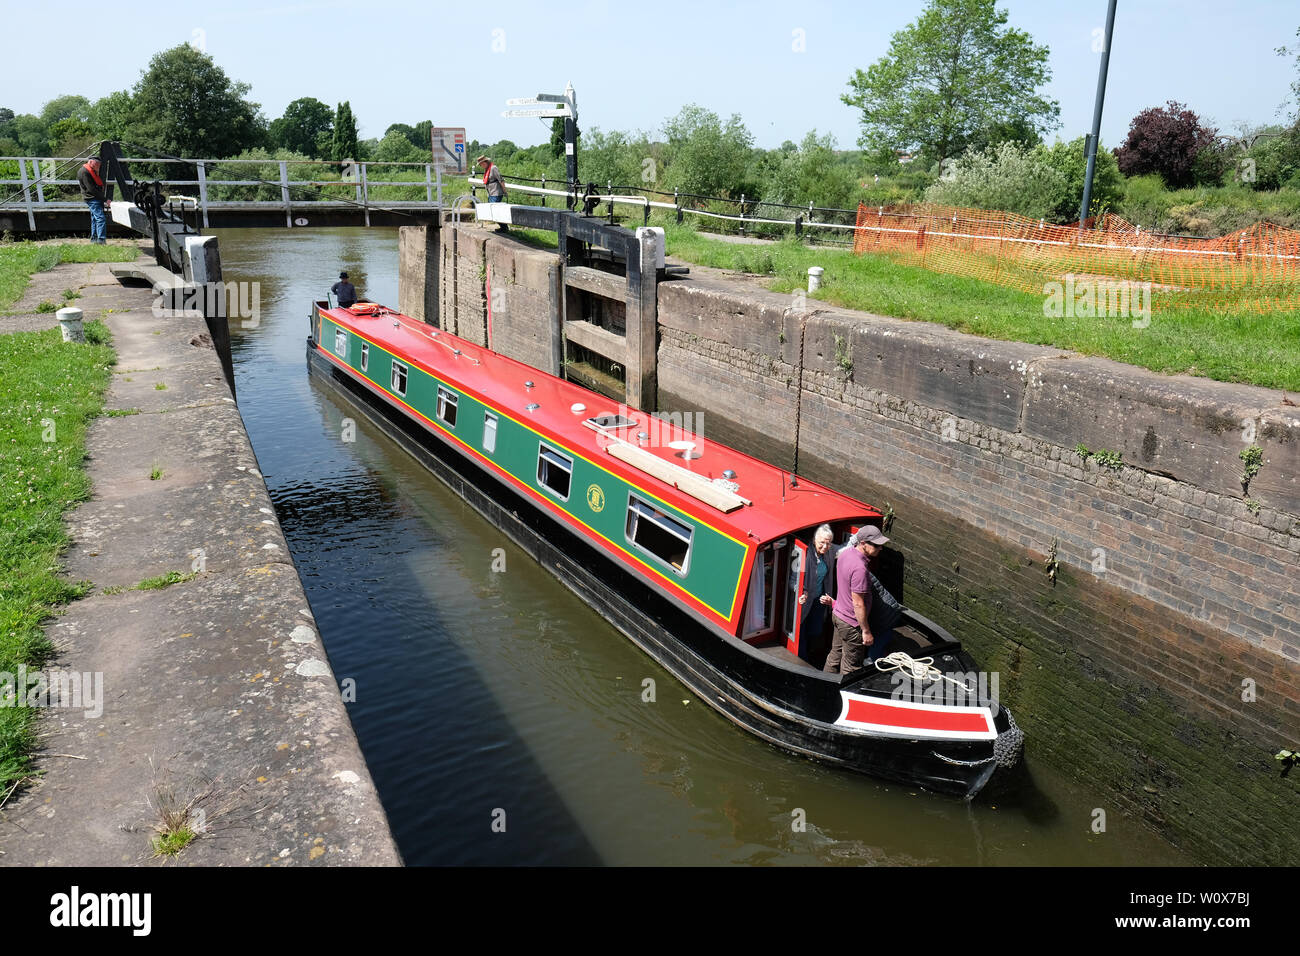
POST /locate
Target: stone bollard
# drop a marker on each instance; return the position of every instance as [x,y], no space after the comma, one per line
[70,324]
[815,278]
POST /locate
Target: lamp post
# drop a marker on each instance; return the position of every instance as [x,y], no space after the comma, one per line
[1096,115]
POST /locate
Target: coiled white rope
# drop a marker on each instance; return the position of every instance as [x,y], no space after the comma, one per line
[918,668]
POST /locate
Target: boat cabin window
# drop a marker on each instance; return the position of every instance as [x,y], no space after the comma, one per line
[611,421]
[554,472]
[447,406]
[489,431]
[365,355]
[658,534]
[399,378]
[341,342]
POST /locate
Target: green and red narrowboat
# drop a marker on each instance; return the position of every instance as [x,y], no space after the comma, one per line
[694,551]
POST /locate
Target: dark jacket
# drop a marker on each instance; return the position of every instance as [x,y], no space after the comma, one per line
[345,292]
[89,188]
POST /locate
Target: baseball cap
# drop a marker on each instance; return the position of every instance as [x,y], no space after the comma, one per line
[870,534]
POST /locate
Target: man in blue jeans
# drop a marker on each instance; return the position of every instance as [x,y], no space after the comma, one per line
[92,191]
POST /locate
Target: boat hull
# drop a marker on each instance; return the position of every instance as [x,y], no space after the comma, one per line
[794,712]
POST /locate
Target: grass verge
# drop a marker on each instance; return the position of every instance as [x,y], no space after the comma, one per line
[49,392]
[1258,349]
[19,260]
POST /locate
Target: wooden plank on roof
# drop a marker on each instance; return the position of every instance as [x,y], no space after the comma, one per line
[685,481]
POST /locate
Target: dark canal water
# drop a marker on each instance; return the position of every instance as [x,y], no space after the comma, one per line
[479,692]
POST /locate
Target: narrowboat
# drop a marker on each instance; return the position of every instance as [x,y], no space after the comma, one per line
[694,551]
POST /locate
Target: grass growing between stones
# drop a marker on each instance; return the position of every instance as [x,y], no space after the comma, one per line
[49,392]
[1232,347]
[164,581]
[20,259]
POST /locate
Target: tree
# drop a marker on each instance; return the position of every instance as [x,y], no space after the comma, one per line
[110,116]
[423,136]
[956,77]
[31,134]
[811,173]
[306,121]
[557,136]
[1270,158]
[185,104]
[707,158]
[70,136]
[65,107]
[1165,141]
[395,147]
[614,157]
[345,133]
[407,131]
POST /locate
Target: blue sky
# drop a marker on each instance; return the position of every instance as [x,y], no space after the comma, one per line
[633,65]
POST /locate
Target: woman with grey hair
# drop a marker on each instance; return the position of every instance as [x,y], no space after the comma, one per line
[817,597]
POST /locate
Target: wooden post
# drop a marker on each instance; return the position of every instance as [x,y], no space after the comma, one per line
[640,375]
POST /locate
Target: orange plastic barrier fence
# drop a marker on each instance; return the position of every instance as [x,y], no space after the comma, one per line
[1256,269]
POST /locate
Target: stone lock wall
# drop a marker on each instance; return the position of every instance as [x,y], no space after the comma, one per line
[500,294]
[1161,662]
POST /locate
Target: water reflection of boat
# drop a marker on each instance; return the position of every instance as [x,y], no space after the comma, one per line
[693,550]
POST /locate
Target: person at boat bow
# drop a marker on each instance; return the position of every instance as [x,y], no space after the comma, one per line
[344,291]
[852,606]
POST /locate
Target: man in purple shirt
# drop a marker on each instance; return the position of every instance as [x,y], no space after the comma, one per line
[853,601]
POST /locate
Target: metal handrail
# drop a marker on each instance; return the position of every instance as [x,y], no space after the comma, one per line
[359,182]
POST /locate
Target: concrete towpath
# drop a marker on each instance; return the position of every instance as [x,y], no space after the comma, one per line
[217,694]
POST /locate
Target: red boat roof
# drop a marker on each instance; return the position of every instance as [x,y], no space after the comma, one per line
[669,460]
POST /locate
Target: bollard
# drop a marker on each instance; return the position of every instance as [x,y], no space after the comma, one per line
[70,324]
[815,278]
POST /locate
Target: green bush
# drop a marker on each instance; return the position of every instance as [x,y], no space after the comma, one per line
[1271,163]
[1071,162]
[1205,211]
[1010,177]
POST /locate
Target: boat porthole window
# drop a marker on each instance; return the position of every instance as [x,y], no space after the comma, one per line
[399,378]
[341,342]
[489,431]
[365,355]
[658,534]
[447,400]
[554,472]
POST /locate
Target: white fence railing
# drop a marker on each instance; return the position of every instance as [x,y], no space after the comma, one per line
[30,196]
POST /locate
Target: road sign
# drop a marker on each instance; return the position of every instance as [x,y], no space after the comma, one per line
[449,149]
[552,106]
[563,111]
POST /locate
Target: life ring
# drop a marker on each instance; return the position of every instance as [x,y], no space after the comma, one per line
[365,308]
